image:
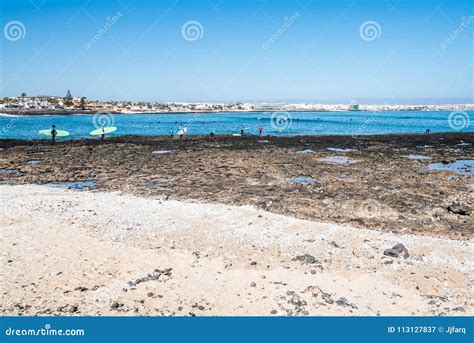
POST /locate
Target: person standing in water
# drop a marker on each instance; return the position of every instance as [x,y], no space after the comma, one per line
[53,133]
[241,130]
[260,129]
[102,136]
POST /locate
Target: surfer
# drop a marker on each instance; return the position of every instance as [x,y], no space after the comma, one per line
[182,131]
[103,131]
[241,130]
[260,129]
[53,133]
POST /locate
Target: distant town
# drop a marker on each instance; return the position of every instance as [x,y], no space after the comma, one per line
[69,104]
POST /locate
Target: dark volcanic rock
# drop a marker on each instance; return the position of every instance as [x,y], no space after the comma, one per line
[116,305]
[379,164]
[459,309]
[397,250]
[327,298]
[448,160]
[345,303]
[306,258]
[156,275]
[459,208]
[143,279]
[81,289]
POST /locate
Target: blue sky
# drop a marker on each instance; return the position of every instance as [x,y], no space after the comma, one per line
[320,55]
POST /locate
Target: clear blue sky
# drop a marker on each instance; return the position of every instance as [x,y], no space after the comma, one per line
[320,56]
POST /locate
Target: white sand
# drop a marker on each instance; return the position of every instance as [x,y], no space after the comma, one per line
[53,242]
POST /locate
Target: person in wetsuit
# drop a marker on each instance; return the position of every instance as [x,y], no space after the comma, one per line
[53,133]
[102,136]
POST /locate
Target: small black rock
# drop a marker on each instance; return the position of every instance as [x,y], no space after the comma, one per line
[459,208]
[396,251]
[306,258]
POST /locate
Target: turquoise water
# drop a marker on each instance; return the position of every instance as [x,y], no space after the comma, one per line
[296,123]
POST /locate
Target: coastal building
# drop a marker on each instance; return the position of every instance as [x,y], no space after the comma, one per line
[354,107]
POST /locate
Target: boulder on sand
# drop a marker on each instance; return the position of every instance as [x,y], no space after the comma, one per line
[396,251]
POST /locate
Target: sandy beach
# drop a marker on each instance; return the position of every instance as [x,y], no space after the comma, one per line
[237,226]
[83,253]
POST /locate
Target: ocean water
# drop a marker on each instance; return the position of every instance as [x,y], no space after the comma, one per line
[281,123]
